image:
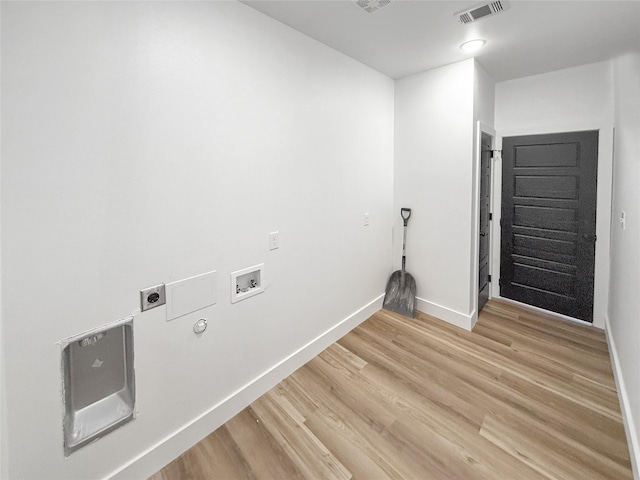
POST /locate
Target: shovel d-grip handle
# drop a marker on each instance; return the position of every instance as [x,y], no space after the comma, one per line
[405,213]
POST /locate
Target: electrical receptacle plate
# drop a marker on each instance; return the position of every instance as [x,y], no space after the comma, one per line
[152,297]
[274,240]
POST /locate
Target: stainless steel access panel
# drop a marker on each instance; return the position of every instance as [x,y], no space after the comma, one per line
[98,383]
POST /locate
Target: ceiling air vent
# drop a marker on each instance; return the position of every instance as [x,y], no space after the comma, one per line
[480,11]
[371,6]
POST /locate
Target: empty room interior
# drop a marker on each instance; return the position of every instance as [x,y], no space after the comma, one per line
[202,235]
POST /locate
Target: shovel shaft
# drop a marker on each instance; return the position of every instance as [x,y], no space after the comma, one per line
[405,213]
[404,246]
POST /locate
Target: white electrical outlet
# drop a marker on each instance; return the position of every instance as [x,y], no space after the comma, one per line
[623,220]
[366,220]
[152,297]
[274,240]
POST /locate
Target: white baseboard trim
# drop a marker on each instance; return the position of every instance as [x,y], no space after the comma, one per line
[627,417]
[172,446]
[458,319]
[473,319]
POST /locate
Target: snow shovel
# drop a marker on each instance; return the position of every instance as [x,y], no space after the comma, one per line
[400,296]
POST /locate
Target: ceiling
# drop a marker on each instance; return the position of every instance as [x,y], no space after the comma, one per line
[410,36]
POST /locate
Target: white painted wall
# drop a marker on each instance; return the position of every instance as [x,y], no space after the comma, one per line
[623,318]
[574,99]
[433,174]
[147,142]
[484,98]
[3,437]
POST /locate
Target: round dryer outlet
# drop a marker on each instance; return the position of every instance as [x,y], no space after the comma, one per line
[200,326]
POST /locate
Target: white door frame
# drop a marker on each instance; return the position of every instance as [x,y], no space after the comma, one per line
[475,221]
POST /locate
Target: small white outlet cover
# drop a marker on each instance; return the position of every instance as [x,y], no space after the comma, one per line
[274,240]
[366,220]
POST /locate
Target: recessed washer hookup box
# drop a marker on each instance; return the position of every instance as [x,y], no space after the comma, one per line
[98,383]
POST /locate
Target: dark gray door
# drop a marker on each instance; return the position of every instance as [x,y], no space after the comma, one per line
[549,221]
[483,244]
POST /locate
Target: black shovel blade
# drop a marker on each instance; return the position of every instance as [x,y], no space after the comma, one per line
[400,296]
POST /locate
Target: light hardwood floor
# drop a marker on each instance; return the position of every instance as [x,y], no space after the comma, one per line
[523,396]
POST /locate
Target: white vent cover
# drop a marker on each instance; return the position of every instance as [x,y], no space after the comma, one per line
[480,11]
[371,6]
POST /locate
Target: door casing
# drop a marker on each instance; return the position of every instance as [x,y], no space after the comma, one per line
[484,289]
[475,220]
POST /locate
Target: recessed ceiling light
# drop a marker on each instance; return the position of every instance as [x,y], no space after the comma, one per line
[472,45]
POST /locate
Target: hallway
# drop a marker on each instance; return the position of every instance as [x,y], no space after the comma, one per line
[524,396]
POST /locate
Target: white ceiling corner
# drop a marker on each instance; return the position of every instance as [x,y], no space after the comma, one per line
[410,36]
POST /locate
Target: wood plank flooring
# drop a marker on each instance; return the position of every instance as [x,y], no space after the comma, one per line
[523,396]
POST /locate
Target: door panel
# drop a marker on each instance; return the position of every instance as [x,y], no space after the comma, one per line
[545,155]
[545,218]
[549,220]
[543,278]
[564,187]
[484,201]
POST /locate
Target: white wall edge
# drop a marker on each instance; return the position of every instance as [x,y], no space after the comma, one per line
[172,446]
[3,430]
[453,317]
[627,417]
